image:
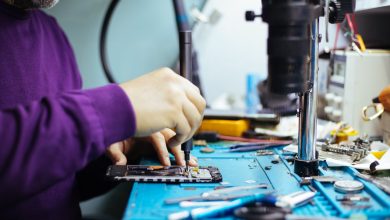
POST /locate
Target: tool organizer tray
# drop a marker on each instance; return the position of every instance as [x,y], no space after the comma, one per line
[242,169]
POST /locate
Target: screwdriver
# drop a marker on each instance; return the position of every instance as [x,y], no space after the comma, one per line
[185,42]
[186,147]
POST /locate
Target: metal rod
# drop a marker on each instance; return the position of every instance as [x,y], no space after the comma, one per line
[308,103]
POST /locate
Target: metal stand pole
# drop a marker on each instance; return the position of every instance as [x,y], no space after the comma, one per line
[307,163]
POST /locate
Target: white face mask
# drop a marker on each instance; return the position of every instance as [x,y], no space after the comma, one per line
[30,4]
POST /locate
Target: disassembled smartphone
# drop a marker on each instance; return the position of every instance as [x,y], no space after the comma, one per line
[164,174]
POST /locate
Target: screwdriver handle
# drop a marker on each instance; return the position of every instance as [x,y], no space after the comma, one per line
[185,42]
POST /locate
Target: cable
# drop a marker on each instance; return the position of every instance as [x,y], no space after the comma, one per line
[181,16]
[103,41]
[337,37]
[182,24]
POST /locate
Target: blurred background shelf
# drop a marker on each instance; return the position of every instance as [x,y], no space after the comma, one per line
[372,6]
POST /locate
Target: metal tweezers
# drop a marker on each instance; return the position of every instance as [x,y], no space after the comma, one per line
[251,147]
[219,194]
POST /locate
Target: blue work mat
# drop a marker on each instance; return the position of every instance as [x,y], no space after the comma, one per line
[242,169]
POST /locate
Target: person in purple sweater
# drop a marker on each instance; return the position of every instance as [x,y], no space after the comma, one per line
[54,135]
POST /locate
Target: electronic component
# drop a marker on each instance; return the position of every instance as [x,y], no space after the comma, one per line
[353,197]
[168,174]
[207,150]
[325,179]
[348,186]
[356,150]
[202,143]
[354,201]
[353,151]
[264,152]
[321,179]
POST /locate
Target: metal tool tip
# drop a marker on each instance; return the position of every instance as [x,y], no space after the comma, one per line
[187,166]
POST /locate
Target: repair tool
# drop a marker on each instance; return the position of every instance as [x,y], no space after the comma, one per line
[252,147]
[258,211]
[211,137]
[295,199]
[219,194]
[185,41]
[261,118]
[186,204]
[293,49]
[213,211]
[377,108]
[382,183]
[353,197]
[289,201]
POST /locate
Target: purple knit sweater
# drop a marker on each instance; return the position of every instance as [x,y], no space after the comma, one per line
[50,128]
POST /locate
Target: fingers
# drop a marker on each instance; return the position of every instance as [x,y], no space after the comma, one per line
[193,94]
[179,155]
[197,100]
[182,129]
[174,99]
[159,145]
[115,153]
[185,82]
[168,133]
[193,117]
[187,124]
[193,161]
[177,152]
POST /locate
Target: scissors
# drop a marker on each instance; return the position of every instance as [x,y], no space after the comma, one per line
[378,110]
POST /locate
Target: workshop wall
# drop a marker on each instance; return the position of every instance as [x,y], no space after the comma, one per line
[142,36]
[230,47]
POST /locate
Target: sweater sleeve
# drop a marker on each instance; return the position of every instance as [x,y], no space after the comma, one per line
[51,139]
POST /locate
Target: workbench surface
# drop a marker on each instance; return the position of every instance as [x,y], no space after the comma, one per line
[242,169]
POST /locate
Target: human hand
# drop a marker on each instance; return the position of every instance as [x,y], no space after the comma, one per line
[117,152]
[163,99]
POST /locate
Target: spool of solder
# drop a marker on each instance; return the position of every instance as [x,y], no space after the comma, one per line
[348,186]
